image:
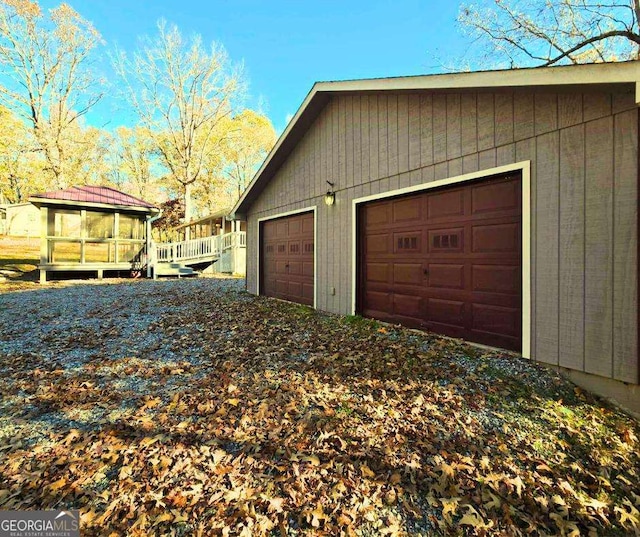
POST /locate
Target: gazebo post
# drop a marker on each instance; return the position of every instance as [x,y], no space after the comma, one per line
[44,243]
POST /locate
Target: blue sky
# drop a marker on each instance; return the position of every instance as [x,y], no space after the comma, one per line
[286,46]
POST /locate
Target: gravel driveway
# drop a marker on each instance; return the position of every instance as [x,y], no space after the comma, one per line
[189,407]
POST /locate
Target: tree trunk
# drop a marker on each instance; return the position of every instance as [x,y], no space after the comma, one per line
[187,209]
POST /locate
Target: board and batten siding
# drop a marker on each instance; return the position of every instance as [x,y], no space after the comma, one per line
[583,149]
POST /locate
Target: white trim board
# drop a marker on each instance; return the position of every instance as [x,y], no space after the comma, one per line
[313,208]
[525,168]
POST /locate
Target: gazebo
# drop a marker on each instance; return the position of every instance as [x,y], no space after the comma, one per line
[92,228]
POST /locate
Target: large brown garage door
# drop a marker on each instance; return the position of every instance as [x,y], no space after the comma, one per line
[287,258]
[448,260]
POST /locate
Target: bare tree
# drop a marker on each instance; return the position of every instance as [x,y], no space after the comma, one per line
[182,93]
[547,32]
[46,75]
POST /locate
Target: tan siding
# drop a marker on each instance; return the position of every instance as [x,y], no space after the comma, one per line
[596,105]
[598,323]
[341,175]
[428,174]
[365,146]
[382,124]
[583,198]
[625,277]
[441,171]
[487,159]
[439,128]
[325,129]
[545,112]
[486,122]
[523,122]
[469,123]
[455,167]
[470,163]
[506,154]
[350,141]
[374,139]
[356,162]
[621,102]
[392,134]
[403,133]
[426,130]
[414,131]
[569,109]
[572,248]
[504,118]
[454,128]
[546,255]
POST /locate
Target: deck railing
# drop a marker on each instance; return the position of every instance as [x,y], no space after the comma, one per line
[206,248]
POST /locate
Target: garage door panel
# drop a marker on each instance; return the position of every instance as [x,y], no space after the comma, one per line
[495,197]
[445,204]
[407,243]
[449,276]
[378,301]
[495,320]
[497,279]
[295,268]
[282,286]
[287,266]
[378,214]
[449,312]
[307,268]
[408,306]
[406,210]
[378,243]
[446,240]
[294,248]
[282,229]
[294,289]
[377,272]
[307,225]
[408,273]
[468,238]
[295,227]
[307,292]
[496,238]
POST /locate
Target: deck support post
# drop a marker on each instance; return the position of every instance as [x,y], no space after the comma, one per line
[100,273]
[43,276]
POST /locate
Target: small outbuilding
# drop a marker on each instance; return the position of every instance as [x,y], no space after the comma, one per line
[92,228]
[499,207]
[19,220]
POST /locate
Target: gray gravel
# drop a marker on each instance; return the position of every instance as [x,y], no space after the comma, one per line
[71,328]
[81,318]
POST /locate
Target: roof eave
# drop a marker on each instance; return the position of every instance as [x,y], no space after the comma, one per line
[37,201]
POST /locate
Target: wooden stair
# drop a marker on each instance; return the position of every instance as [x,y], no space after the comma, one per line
[173,269]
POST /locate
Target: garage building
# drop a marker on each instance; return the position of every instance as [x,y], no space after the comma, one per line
[499,207]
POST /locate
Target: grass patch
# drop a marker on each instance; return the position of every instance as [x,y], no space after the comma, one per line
[19,257]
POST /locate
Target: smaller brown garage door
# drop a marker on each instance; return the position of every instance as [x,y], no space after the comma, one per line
[286,253]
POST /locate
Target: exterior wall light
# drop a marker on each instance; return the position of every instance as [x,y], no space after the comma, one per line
[330,196]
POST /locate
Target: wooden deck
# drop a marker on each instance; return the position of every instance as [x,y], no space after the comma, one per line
[195,251]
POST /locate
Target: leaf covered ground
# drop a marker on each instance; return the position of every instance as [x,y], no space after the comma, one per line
[193,408]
